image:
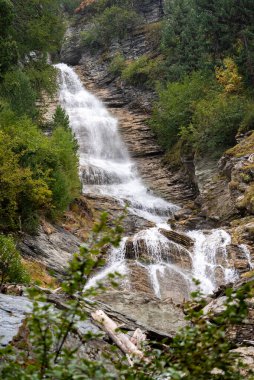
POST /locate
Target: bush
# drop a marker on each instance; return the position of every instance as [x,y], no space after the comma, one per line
[176,107]
[8,47]
[247,123]
[17,90]
[43,77]
[142,71]
[117,64]
[11,267]
[215,123]
[60,119]
[38,173]
[65,183]
[113,24]
[70,5]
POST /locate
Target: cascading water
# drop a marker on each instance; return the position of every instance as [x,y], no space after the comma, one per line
[106,169]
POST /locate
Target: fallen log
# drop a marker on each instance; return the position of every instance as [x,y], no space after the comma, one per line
[120,339]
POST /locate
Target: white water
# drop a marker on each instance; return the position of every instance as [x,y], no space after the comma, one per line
[246,253]
[106,168]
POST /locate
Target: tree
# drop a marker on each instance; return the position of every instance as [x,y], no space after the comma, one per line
[183,40]
[37,26]
[11,268]
[8,47]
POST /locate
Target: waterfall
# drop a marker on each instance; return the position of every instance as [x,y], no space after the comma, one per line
[107,169]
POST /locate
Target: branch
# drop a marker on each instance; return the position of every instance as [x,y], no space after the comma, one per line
[120,339]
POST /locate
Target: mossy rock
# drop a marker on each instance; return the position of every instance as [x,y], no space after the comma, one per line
[244,148]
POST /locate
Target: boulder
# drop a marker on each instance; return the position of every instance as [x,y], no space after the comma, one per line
[52,247]
[149,312]
[169,252]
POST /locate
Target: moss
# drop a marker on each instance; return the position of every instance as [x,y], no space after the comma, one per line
[173,157]
[248,200]
[233,185]
[248,274]
[244,148]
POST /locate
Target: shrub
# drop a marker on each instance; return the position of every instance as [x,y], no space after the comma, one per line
[17,89]
[11,267]
[247,123]
[113,23]
[43,77]
[65,183]
[215,123]
[117,64]
[38,173]
[176,107]
[142,71]
[60,119]
[228,76]
[70,5]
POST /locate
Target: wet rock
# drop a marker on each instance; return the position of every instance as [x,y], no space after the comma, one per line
[164,282]
[170,252]
[13,311]
[139,278]
[101,203]
[237,258]
[175,284]
[177,237]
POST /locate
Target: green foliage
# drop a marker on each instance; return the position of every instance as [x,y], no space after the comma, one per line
[247,123]
[37,26]
[16,88]
[117,64]
[60,119]
[43,77]
[50,328]
[176,107]
[199,351]
[215,123]
[200,33]
[37,172]
[6,16]
[8,47]
[11,268]
[114,23]
[183,40]
[65,184]
[142,71]
[70,5]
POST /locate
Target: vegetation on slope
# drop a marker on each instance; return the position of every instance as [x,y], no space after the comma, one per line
[38,173]
[202,67]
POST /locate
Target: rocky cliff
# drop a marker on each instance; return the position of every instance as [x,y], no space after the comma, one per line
[215,186]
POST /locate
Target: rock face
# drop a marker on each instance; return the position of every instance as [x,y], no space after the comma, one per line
[53,246]
[129,104]
[164,317]
[12,313]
